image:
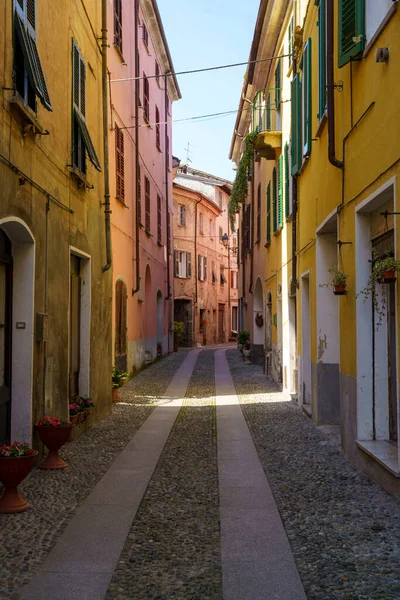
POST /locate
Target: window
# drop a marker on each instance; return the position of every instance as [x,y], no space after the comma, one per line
[182,215]
[274,201]
[138,80]
[139,195]
[81,142]
[351,30]
[222,278]
[375,12]
[234,280]
[159,214]
[234,318]
[202,268]
[145,35]
[269,112]
[321,59]
[29,77]
[221,233]
[220,199]
[201,224]
[296,154]
[167,152]
[288,204]
[118,24]
[147,203]
[158,134]
[280,191]
[212,232]
[213,274]
[307,95]
[146,98]
[269,212]
[183,264]
[169,233]
[119,161]
[258,234]
[157,70]
[278,77]
[290,42]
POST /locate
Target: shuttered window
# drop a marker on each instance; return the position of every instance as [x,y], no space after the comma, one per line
[157,71]
[274,201]
[280,191]
[119,162]
[29,76]
[146,98]
[182,264]
[290,42]
[159,214]
[202,268]
[296,146]
[269,212]
[351,30]
[118,24]
[258,235]
[139,194]
[269,112]
[321,59]
[287,181]
[82,142]
[145,35]
[307,98]
[147,203]
[158,131]
[169,234]
[167,159]
[278,84]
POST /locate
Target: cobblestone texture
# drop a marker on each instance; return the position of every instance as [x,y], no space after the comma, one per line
[27,538]
[173,548]
[343,528]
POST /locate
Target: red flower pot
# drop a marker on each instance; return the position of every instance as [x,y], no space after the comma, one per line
[53,438]
[339,290]
[115,395]
[12,471]
[388,276]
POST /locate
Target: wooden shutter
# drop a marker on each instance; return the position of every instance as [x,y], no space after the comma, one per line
[139,195]
[351,30]
[269,212]
[274,200]
[158,134]
[31,13]
[159,219]
[120,163]
[321,59]
[146,98]
[176,262]
[296,124]
[188,264]
[145,34]
[307,96]
[280,191]
[205,268]
[287,186]
[157,69]
[258,234]
[147,203]
[199,269]
[278,84]
[118,24]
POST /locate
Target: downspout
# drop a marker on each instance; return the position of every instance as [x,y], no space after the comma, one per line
[137,90]
[107,209]
[330,85]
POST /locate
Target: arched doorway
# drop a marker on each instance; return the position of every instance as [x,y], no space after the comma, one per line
[160,318]
[121,297]
[17,282]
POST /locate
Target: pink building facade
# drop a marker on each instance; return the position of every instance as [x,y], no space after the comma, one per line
[140,182]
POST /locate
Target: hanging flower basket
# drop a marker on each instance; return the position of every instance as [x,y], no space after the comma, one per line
[259,320]
[16,462]
[388,276]
[340,289]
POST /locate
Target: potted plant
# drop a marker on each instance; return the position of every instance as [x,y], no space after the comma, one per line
[179,332]
[242,338]
[383,272]
[86,405]
[118,379]
[16,461]
[53,433]
[338,282]
[386,269]
[74,410]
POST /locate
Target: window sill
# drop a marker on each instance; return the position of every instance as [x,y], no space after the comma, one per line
[289,218]
[80,178]
[159,244]
[383,452]
[267,244]
[321,125]
[159,148]
[119,52]
[120,201]
[30,122]
[278,231]
[147,232]
[389,15]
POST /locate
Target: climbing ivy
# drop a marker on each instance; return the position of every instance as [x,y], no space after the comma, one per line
[240,185]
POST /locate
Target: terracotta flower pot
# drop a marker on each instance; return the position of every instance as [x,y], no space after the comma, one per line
[339,290]
[74,419]
[388,276]
[12,471]
[53,438]
[81,416]
[115,395]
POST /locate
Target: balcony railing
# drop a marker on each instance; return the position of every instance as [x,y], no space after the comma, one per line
[266,122]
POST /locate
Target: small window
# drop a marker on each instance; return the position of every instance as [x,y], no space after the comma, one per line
[159,215]
[139,195]
[167,152]
[119,161]
[182,215]
[158,129]
[201,224]
[202,268]
[157,70]
[212,230]
[183,264]
[146,98]
[221,233]
[234,280]
[222,277]
[213,273]
[118,24]
[147,203]
[145,35]
[220,199]
[234,318]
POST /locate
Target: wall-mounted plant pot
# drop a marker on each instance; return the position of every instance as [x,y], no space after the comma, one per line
[388,276]
[259,320]
[339,290]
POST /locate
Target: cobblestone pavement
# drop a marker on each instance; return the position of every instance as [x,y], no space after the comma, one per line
[343,528]
[173,548]
[27,538]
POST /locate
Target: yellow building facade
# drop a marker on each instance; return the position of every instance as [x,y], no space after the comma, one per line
[343,130]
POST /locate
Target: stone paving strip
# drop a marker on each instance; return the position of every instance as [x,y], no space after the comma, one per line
[343,528]
[173,547]
[257,561]
[27,538]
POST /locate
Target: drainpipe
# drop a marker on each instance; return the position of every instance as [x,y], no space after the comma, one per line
[137,90]
[330,85]
[107,210]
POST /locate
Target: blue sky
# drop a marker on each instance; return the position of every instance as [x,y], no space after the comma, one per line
[205,34]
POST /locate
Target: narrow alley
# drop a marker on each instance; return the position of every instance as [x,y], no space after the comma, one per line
[206,482]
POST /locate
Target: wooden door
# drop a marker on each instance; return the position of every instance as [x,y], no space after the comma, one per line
[221,323]
[120,325]
[74,327]
[5,337]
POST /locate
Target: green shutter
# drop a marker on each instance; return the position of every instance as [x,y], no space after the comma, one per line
[296,124]
[274,201]
[351,25]
[269,212]
[269,113]
[278,84]
[287,205]
[307,95]
[280,191]
[321,59]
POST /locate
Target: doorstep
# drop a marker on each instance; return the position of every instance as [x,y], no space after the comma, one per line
[383,452]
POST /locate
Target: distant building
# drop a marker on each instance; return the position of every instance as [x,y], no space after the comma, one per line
[205,258]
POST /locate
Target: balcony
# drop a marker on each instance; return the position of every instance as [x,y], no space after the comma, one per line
[266,123]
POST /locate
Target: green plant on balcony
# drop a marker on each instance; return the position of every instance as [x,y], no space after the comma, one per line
[241,185]
[383,272]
